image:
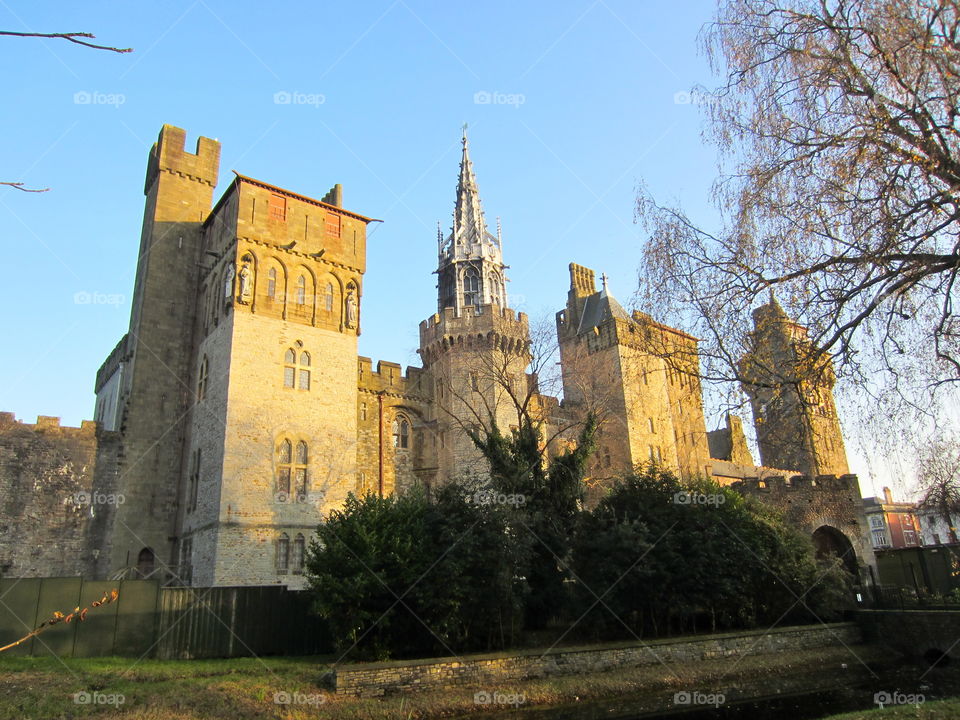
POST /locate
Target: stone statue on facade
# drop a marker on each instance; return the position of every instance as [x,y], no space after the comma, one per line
[351,309]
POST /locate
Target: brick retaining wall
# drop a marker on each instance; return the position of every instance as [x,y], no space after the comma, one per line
[374,679]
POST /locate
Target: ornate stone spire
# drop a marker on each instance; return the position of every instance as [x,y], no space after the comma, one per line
[470,266]
[469,226]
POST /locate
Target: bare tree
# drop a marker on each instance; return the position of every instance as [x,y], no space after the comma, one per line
[509,384]
[938,480]
[839,139]
[78,38]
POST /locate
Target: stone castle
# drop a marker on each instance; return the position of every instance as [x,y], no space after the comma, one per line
[236,412]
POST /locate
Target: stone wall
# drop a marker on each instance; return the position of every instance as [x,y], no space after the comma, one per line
[914,633]
[385,396]
[47,495]
[809,504]
[374,679]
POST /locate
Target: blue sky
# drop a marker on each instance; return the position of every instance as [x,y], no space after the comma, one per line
[570,105]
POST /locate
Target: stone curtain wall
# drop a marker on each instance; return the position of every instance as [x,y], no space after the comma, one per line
[375,679]
[48,497]
[811,503]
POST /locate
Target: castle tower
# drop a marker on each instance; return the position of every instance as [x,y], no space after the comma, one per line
[271,445]
[150,389]
[790,385]
[640,379]
[475,348]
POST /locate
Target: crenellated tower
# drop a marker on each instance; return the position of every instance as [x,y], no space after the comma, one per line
[790,384]
[148,377]
[475,349]
[640,378]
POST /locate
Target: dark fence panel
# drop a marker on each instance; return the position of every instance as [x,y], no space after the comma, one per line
[18,612]
[163,622]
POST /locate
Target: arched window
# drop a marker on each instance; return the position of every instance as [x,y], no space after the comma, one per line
[289,368]
[202,379]
[283,553]
[299,548]
[296,370]
[304,371]
[494,289]
[401,433]
[145,563]
[284,468]
[471,287]
[272,284]
[328,298]
[301,297]
[300,473]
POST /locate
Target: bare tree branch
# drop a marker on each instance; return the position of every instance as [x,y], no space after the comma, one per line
[19,186]
[70,37]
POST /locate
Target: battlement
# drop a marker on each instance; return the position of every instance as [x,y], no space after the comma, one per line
[779,484]
[8,422]
[119,354]
[471,317]
[388,377]
[169,154]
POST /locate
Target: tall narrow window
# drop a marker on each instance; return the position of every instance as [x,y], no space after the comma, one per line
[471,287]
[289,368]
[401,433]
[194,482]
[304,371]
[272,283]
[186,560]
[278,207]
[202,379]
[283,553]
[363,412]
[474,382]
[284,466]
[328,298]
[299,546]
[301,297]
[653,427]
[494,290]
[300,473]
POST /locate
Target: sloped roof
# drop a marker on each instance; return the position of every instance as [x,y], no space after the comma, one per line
[598,308]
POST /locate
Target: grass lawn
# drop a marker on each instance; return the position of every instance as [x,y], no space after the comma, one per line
[936,710]
[247,687]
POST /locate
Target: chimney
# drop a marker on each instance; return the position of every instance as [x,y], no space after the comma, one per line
[887,496]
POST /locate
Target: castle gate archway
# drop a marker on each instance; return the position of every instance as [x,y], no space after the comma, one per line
[828,541]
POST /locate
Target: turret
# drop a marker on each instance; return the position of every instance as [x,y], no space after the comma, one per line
[470,261]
